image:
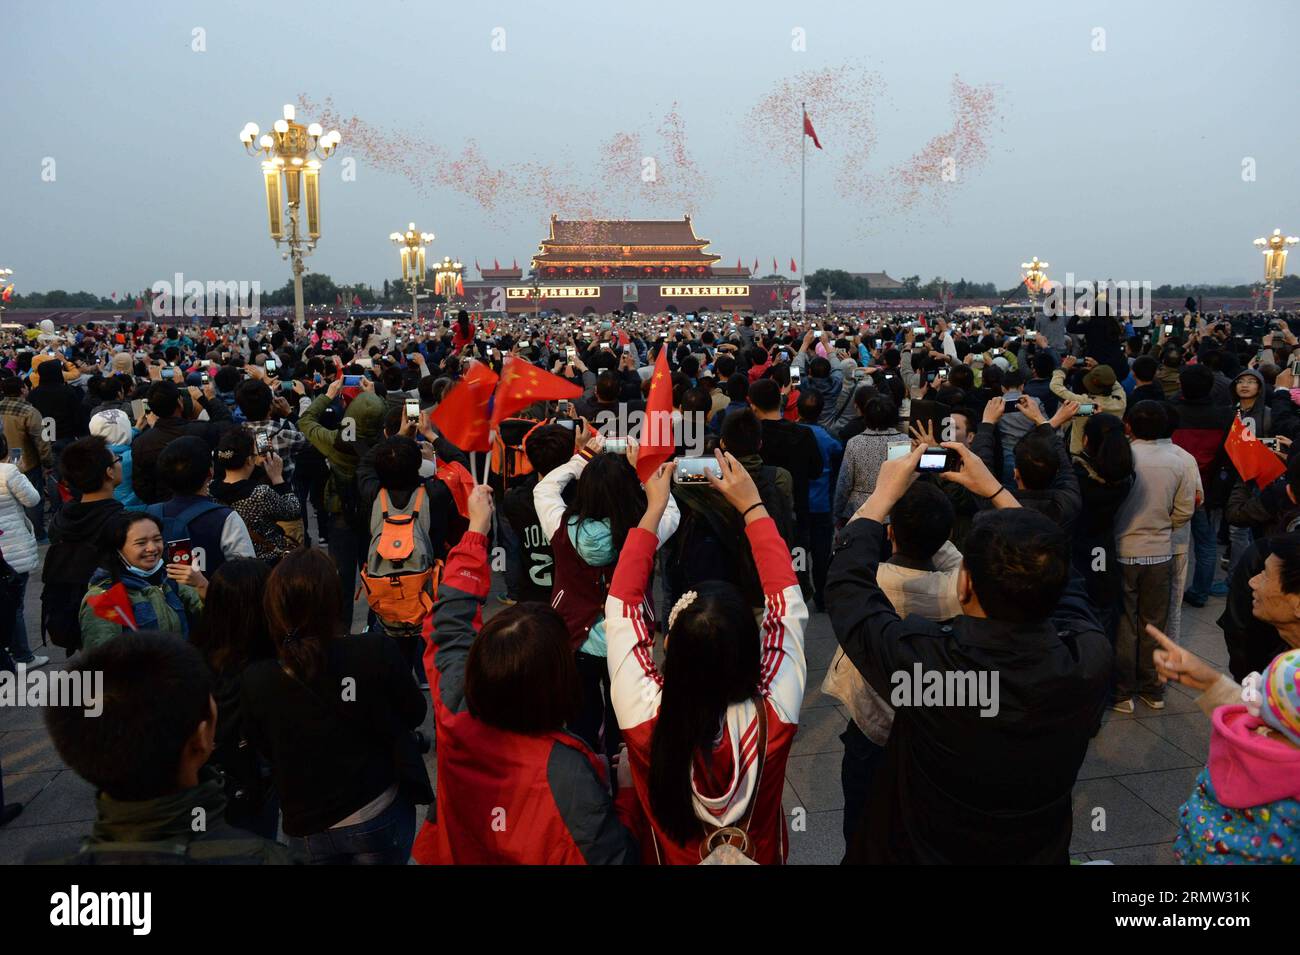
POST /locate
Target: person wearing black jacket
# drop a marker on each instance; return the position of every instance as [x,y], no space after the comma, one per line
[335,716]
[985,779]
[1252,643]
[171,408]
[1045,479]
[1103,339]
[1104,473]
[786,444]
[1146,387]
[58,401]
[611,393]
[77,541]
[548,446]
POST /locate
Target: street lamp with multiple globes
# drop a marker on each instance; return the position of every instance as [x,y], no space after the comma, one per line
[1275,248]
[291,159]
[446,277]
[411,244]
[1035,277]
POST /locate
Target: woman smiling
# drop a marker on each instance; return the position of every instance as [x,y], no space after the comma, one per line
[163,596]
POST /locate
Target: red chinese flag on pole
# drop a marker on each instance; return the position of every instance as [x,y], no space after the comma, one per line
[496,265]
[775,267]
[515,263]
[460,286]
[793,267]
[657,441]
[1252,459]
[114,606]
[756,266]
[478,268]
[522,384]
[809,131]
[462,416]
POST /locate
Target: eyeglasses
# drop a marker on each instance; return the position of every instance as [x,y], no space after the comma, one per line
[117,459]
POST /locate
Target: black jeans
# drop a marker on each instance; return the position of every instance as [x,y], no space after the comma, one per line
[821,530]
[348,553]
[862,758]
[596,723]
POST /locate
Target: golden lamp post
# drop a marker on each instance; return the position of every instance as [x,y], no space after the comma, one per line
[291,158]
[1275,248]
[446,277]
[1035,277]
[411,245]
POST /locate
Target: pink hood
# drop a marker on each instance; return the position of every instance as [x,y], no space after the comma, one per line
[1248,769]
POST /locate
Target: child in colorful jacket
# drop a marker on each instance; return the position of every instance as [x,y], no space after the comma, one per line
[1245,805]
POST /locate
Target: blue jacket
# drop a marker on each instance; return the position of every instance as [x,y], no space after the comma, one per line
[819,488]
[125,493]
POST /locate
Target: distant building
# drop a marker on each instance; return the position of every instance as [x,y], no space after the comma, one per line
[643,265]
[878,281]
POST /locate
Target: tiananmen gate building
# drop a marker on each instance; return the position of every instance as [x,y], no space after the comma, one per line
[643,265]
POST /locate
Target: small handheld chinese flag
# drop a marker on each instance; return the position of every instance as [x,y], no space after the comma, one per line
[657,440]
[809,131]
[113,605]
[462,416]
[522,384]
[1251,457]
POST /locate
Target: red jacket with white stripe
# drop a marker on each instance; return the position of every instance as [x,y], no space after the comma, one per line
[723,780]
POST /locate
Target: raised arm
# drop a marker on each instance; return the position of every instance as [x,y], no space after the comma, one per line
[548,495]
[458,611]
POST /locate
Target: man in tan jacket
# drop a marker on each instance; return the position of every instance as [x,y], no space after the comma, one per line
[25,433]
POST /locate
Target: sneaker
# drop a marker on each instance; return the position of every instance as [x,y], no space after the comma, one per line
[1154,702]
[508,601]
[10,812]
[1192,600]
[1123,706]
[1219,588]
[1223,563]
[35,662]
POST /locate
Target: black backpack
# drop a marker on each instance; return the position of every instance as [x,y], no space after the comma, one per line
[66,577]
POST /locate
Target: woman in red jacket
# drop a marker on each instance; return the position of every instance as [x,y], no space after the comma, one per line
[513,787]
[708,739]
[463,332]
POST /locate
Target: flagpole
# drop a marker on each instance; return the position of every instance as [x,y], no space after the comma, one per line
[803,178]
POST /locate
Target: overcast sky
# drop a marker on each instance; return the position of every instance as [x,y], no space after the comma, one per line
[1125,163]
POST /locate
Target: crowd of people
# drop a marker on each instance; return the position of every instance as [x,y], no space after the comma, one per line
[267,541]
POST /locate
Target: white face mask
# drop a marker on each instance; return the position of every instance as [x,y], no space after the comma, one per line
[142,573]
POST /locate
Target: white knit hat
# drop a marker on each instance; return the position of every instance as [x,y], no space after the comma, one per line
[112,425]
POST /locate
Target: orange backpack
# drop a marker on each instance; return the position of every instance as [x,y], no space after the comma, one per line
[401,573]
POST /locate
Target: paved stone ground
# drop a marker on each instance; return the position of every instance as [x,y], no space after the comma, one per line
[1139,768]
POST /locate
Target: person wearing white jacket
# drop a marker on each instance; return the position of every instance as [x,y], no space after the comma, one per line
[18,544]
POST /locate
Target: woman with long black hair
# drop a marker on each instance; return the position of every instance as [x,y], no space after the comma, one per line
[1104,467]
[708,737]
[232,635]
[335,716]
[462,332]
[586,538]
